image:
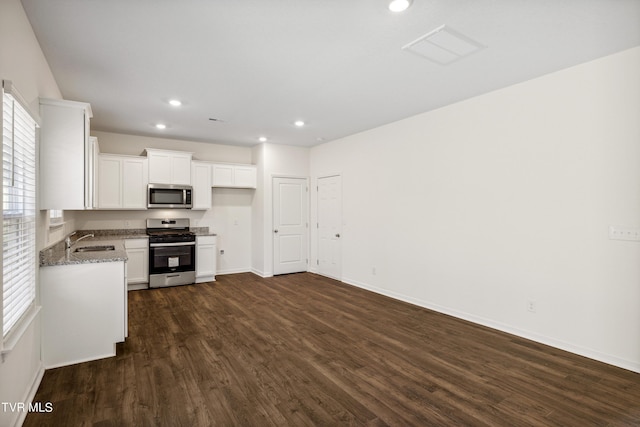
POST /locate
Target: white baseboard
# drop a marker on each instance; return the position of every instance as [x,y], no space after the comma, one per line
[542,339]
[137,286]
[233,271]
[31,394]
[83,360]
[261,273]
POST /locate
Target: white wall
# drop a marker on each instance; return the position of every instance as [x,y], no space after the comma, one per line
[479,207]
[22,62]
[229,216]
[134,145]
[272,160]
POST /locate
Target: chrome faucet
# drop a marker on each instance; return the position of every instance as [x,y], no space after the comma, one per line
[68,243]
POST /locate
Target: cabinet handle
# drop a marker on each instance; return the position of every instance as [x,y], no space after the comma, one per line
[338,235]
[275,231]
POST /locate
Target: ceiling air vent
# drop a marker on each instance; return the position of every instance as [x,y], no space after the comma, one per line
[443,46]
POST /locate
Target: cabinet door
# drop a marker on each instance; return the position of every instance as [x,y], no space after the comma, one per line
[201,181]
[181,169]
[159,167]
[92,150]
[205,259]
[137,266]
[245,176]
[134,179]
[138,263]
[223,175]
[88,167]
[122,182]
[64,126]
[109,182]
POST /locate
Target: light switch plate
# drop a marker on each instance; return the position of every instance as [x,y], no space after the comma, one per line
[624,233]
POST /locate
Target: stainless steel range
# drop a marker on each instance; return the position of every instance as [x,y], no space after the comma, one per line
[172,252]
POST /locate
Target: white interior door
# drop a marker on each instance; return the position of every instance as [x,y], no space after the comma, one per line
[290,225]
[330,226]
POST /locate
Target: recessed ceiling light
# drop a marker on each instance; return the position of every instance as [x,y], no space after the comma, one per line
[399,5]
[175,102]
[161,126]
[262,139]
[299,123]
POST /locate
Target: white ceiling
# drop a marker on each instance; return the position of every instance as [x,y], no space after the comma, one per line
[259,65]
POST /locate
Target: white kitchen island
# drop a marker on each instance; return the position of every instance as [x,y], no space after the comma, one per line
[84,308]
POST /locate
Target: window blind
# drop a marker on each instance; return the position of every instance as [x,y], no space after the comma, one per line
[18,212]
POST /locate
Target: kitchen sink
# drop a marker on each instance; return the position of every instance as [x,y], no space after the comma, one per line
[96,248]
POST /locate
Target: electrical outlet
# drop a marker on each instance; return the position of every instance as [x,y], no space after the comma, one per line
[624,233]
[127,224]
[531,306]
[373,271]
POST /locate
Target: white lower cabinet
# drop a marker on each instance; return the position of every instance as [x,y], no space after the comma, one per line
[205,259]
[138,263]
[84,308]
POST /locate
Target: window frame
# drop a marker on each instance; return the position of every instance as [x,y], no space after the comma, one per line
[25,212]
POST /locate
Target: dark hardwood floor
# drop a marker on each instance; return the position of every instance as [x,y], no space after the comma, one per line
[303,350]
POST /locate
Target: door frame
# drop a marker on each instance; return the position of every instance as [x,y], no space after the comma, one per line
[272,243]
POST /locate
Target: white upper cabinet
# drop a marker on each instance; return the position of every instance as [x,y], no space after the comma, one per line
[135,177]
[245,176]
[169,167]
[201,182]
[92,151]
[122,182]
[109,182]
[238,176]
[222,176]
[65,154]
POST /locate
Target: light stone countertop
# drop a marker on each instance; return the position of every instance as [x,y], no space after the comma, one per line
[57,254]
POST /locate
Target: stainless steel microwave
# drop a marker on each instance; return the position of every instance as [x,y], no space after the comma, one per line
[163,196]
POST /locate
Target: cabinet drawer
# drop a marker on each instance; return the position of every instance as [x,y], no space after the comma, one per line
[136,243]
[206,240]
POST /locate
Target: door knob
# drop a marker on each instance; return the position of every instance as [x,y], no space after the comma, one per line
[338,235]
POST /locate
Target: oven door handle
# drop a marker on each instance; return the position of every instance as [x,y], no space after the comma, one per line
[162,245]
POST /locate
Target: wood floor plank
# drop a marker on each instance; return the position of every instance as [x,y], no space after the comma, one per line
[304,350]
